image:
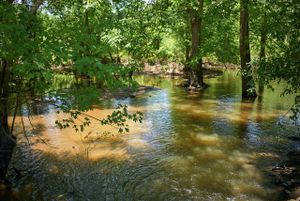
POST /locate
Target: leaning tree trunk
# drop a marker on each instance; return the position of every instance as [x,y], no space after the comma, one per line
[194,69]
[248,86]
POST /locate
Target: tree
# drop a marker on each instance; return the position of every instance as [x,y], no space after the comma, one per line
[194,68]
[279,61]
[221,23]
[204,30]
[34,42]
[248,85]
[14,45]
[263,42]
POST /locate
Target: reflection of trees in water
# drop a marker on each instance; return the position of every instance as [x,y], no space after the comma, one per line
[149,80]
[259,104]
[24,109]
[7,144]
[25,103]
[37,108]
[246,108]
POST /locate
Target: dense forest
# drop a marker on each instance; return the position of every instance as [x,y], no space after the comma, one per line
[76,55]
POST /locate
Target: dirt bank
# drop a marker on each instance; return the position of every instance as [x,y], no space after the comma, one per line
[175,69]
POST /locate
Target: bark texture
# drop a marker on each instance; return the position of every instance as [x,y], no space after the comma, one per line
[7,141]
[194,67]
[248,87]
[262,53]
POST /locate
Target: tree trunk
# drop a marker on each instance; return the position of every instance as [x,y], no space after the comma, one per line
[194,69]
[7,141]
[262,54]
[186,69]
[5,68]
[248,86]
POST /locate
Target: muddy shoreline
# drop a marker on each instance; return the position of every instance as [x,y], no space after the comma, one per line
[174,69]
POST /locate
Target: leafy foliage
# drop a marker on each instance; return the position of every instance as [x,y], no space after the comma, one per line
[105,41]
[118,119]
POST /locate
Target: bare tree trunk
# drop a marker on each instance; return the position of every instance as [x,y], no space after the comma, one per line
[248,86]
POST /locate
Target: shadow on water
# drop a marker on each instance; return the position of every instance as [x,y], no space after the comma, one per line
[7,144]
[192,146]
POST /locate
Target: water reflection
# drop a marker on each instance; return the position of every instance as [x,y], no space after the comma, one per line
[202,146]
[245,112]
[259,107]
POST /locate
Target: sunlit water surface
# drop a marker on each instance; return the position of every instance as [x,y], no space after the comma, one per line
[191,146]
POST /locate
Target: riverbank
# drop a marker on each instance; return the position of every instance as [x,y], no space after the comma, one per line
[128,92]
[175,69]
[210,69]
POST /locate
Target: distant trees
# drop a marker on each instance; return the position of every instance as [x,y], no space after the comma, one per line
[279,42]
[278,59]
[204,29]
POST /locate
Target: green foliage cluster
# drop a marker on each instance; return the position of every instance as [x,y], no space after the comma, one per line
[23,43]
[118,119]
[39,37]
[94,39]
[280,22]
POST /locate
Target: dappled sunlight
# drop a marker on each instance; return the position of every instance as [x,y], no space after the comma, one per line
[265,155]
[196,112]
[179,164]
[242,187]
[209,154]
[208,145]
[99,141]
[138,144]
[201,139]
[235,112]
[109,152]
[205,169]
[239,158]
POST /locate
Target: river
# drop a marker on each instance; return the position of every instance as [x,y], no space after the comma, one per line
[191,146]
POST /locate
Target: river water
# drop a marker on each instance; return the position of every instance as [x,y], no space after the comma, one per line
[191,146]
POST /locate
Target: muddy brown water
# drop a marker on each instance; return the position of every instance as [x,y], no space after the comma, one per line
[191,146]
